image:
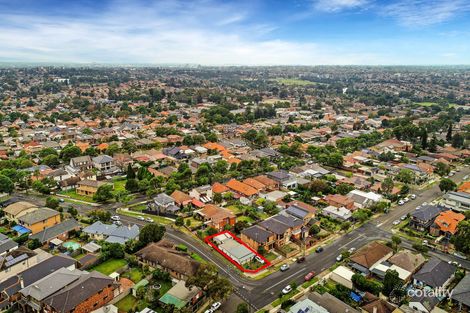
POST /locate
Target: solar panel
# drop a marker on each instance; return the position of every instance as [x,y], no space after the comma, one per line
[16,260]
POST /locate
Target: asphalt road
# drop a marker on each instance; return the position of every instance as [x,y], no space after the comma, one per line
[259,293]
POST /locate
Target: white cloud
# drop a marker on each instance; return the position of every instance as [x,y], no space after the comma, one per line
[418,13]
[202,32]
[338,5]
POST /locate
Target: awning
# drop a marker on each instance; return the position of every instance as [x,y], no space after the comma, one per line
[21,229]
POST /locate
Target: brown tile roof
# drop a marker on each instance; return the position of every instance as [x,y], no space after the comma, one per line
[254,183]
[370,254]
[215,213]
[180,197]
[448,221]
[241,188]
[219,188]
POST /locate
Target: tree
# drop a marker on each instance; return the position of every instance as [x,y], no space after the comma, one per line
[442,169]
[72,211]
[462,238]
[130,172]
[424,138]
[447,184]
[211,231]
[151,233]
[344,188]
[70,152]
[391,282]
[104,193]
[242,308]
[396,241]
[458,140]
[405,176]
[6,184]
[132,185]
[99,214]
[433,144]
[112,251]
[207,278]
[51,160]
[52,203]
[387,185]
[314,229]
[34,244]
[179,221]
[449,133]
[218,197]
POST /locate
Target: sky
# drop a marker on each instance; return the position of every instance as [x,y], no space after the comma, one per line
[238,32]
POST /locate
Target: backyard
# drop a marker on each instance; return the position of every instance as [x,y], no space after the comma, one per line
[135,274]
[109,266]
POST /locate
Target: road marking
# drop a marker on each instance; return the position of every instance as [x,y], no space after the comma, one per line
[288,277]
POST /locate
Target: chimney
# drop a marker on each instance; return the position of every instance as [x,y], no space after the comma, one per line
[21,281]
[374,310]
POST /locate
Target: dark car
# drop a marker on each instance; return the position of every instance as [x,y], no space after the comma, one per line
[301,259]
[319,249]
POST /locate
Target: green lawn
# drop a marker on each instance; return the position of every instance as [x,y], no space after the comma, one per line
[247,219]
[270,256]
[127,303]
[197,257]
[310,282]
[110,266]
[284,298]
[138,208]
[135,274]
[156,219]
[194,222]
[119,185]
[72,194]
[425,104]
[235,209]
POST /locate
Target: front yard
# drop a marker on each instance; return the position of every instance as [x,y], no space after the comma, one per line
[156,218]
[73,195]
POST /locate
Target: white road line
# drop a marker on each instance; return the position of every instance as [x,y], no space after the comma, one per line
[288,277]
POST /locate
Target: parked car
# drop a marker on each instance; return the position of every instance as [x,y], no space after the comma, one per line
[413,196]
[208,311]
[309,276]
[301,259]
[284,267]
[149,219]
[215,306]
[287,289]
[118,223]
[401,202]
[319,249]
[406,200]
[403,217]
[339,258]
[351,250]
[260,260]
[460,255]
[396,222]
[141,218]
[116,218]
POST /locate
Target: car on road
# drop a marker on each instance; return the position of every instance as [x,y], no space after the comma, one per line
[141,218]
[115,218]
[396,222]
[215,306]
[460,255]
[284,267]
[149,219]
[287,289]
[351,250]
[401,202]
[406,200]
[339,258]
[208,311]
[301,259]
[403,217]
[260,260]
[319,249]
[118,223]
[413,196]
[309,276]
[61,200]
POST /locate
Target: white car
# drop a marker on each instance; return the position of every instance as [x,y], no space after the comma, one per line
[413,196]
[149,219]
[208,311]
[118,223]
[284,267]
[339,258]
[401,202]
[141,218]
[115,218]
[260,260]
[403,217]
[351,250]
[287,289]
[396,222]
[215,306]
[406,200]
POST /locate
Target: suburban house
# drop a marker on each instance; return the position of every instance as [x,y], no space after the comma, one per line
[216,217]
[435,273]
[284,179]
[461,294]
[367,257]
[39,219]
[162,255]
[242,189]
[339,201]
[112,233]
[258,238]
[446,223]
[163,203]
[407,260]
[19,259]
[183,297]
[88,187]
[331,303]
[270,184]
[81,163]
[337,213]
[205,193]
[18,209]
[423,218]
[364,199]
[105,164]
[459,201]
[283,227]
[181,199]
[58,231]
[7,245]
[343,276]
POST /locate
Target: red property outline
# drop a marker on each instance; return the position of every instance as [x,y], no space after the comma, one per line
[208,240]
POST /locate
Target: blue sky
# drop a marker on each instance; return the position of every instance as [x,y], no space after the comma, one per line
[245,32]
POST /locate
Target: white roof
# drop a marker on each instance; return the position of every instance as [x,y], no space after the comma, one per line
[344,272]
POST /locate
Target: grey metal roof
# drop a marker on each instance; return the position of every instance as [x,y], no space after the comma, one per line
[56,230]
[257,233]
[296,211]
[435,272]
[427,212]
[461,292]
[6,243]
[102,159]
[163,199]
[38,215]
